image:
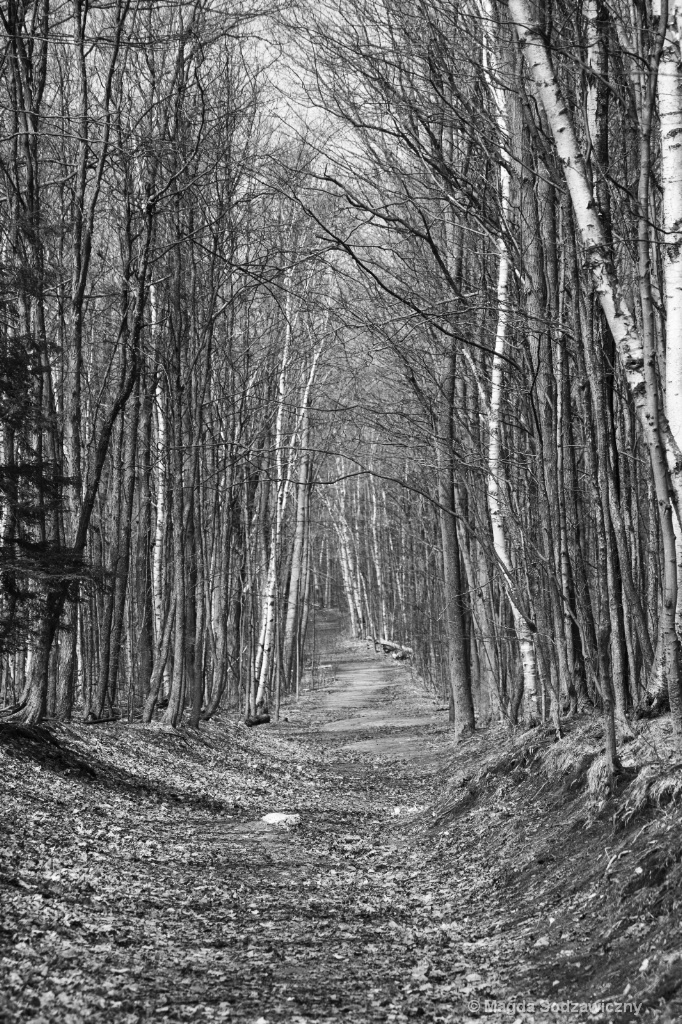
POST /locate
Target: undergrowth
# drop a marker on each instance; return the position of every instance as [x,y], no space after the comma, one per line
[650,773]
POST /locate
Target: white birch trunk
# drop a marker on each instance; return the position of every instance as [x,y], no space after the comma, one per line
[160,525]
[670,113]
[621,322]
[353,575]
[523,631]
[385,629]
[269,603]
[348,573]
[495,469]
[294,602]
[347,585]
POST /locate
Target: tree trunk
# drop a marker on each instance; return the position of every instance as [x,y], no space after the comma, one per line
[461,704]
[635,351]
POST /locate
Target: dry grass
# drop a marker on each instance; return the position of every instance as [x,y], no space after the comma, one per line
[651,776]
[598,778]
[654,786]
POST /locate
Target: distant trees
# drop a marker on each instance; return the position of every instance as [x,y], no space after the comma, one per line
[161,333]
[500,176]
[428,357]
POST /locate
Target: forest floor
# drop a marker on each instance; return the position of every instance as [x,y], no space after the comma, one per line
[138,881]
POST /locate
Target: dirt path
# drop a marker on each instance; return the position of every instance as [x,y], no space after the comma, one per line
[373,695]
[154,891]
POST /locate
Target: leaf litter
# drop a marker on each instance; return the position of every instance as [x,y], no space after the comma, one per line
[140,882]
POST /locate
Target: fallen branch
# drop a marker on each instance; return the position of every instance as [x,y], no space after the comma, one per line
[390,644]
[114,716]
[256,720]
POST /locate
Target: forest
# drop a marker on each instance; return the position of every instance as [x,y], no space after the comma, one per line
[367,303]
[341,396]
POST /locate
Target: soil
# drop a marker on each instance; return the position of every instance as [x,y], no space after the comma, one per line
[424,881]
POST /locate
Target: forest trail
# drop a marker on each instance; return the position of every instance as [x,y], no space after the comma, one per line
[369,693]
[139,882]
[340,304]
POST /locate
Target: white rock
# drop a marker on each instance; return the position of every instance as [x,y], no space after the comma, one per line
[278,818]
